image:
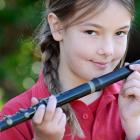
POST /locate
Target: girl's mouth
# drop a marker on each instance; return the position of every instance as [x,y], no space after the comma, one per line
[101,65]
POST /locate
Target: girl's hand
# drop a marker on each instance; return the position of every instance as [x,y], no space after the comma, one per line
[129,104]
[48,122]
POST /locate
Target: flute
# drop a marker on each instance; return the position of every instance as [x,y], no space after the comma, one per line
[62,98]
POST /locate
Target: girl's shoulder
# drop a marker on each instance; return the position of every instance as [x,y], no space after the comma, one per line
[10,108]
[14,104]
[39,90]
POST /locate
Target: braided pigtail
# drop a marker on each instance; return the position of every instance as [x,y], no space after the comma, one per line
[50,57]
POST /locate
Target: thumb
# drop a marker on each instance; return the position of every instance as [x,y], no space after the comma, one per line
[34,101]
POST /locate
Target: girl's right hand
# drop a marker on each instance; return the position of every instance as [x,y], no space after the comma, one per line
[48,122]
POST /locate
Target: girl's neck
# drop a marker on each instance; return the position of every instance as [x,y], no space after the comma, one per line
[68,79]
[91,97]
[68,82]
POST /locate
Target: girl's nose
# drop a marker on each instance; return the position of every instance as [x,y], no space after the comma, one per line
[106,48]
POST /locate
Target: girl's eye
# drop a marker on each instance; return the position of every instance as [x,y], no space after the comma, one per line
[91,32]
[121,33]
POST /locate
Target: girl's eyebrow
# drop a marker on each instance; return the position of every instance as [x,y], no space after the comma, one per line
[124,27]
[93,25]
[101,27]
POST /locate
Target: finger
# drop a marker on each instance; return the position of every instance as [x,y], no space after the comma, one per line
[133,92]
[131,83]
[50,109]
[135,67]
[39,114]
[58,115]
[134,75]
[126,63]
[34,101]
[63,121]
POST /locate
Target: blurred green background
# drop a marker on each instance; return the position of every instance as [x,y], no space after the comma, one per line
[20,56]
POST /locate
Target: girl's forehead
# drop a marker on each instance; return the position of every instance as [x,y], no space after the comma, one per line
[113,11]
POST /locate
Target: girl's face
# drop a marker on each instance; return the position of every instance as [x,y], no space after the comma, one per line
[95,46]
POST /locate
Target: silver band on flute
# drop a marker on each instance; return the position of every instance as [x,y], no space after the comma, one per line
[92,86]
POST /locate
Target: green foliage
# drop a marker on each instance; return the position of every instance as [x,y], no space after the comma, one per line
[17,50]
[18,56]
[137,13]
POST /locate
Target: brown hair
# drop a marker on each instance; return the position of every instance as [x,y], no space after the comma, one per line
[65,10]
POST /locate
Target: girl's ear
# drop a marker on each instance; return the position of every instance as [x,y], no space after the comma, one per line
[55,26]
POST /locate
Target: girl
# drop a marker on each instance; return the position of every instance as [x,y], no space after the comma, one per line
[81,40]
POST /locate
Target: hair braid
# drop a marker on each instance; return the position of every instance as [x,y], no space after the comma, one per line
[50,57]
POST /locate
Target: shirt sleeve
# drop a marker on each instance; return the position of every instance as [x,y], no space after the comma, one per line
[12,134]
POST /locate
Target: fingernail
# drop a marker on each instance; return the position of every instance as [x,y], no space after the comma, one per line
[132,67]
[42,106]
[34,99]
[52,97]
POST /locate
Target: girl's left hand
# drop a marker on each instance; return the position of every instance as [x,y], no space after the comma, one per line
[129,104]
